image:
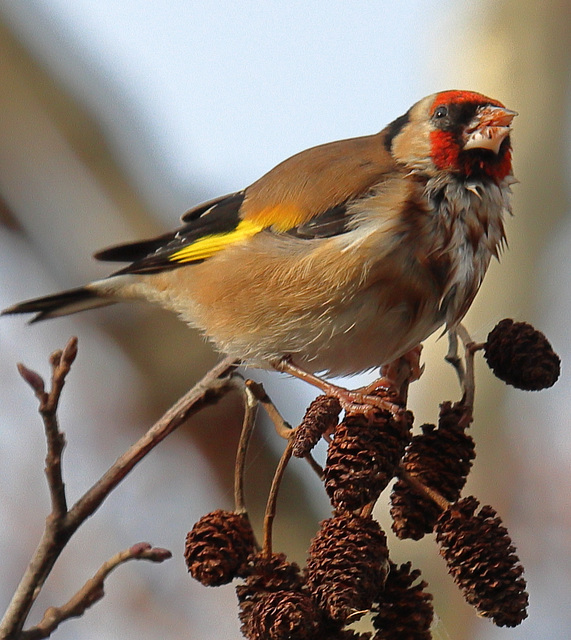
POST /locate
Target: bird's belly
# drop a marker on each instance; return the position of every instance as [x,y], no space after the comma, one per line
[336,340]
[366,337]
[338,322]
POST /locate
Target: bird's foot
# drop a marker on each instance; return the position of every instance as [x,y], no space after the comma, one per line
[407,367]
[375,396]
[398,374]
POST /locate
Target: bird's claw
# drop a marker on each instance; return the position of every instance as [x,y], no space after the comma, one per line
[364,400]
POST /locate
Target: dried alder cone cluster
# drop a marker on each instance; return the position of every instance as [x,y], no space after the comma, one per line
[349,572]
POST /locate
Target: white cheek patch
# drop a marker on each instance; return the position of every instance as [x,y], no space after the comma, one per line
[412,148]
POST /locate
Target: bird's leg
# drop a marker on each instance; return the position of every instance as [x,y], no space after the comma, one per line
[351,400]
[397,375]
[407,367]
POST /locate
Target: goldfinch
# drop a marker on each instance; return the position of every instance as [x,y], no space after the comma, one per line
[340,259]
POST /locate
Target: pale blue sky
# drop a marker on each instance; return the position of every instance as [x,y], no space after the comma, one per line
[217,93]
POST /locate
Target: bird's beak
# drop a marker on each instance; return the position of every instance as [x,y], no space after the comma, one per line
[489,128]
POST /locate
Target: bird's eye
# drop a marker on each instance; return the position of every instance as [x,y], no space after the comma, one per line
[441,112]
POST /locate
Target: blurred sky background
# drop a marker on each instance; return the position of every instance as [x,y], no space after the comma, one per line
[115,117]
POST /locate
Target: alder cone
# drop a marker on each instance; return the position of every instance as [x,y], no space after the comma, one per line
[321,416]
[347,565]
[441,459]
[283,615]
[218,546]
[363,456]
[404,610]
[481,558]
[521,356]
[265,575]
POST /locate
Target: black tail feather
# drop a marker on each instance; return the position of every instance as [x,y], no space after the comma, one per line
[59,304]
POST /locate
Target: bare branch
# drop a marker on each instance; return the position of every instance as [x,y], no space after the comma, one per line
[464,368]
[61,362]
[48,408]
[273,497]
[469,382]
[453,358]
[207,391]
[283,429]
[315,466]
[61,524]
[250,412]
[93,590]
[423,489]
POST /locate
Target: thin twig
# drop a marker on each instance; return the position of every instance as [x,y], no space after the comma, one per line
[285,431]
[421,488]
[58,529]
[92,590]
[469,386]
[250,412]
[282,427]
[273,496]
[54,533]
[315,465]
[61,364]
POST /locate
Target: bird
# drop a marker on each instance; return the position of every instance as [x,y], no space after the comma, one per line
[340,259]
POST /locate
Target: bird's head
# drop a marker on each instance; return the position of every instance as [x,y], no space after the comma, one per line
[459,132]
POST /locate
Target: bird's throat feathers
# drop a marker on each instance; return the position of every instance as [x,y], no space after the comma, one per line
[448,156]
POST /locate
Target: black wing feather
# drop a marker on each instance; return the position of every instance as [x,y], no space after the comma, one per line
[216,216]
[229,204]
[132,251]
[149,256]
[332,222]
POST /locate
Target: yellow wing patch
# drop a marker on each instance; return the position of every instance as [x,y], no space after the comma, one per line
[209,245]
[281,217]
